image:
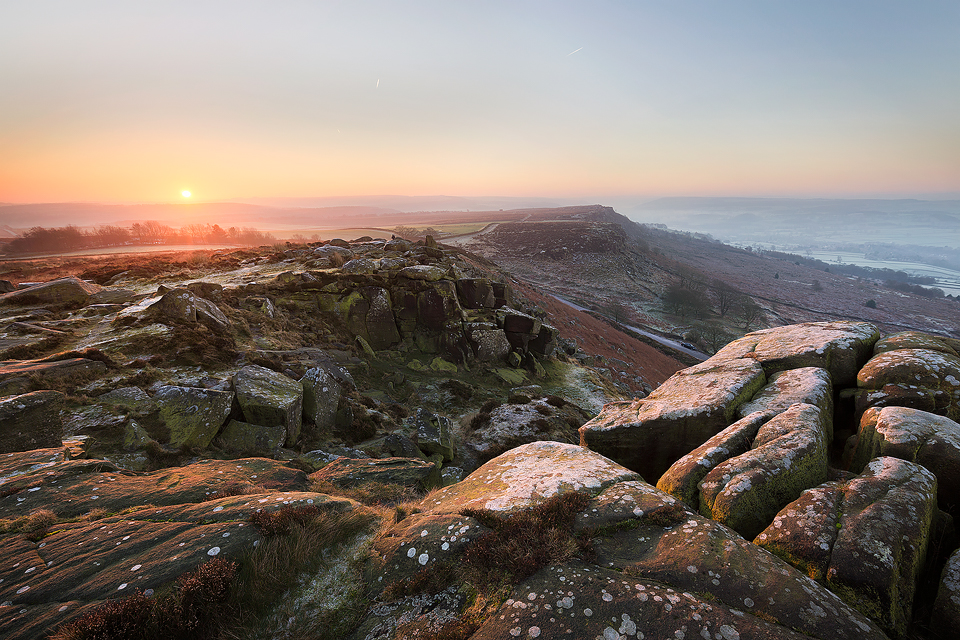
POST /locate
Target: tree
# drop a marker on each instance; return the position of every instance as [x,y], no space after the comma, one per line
[817,286]
[725,295]
[682,302]
[747,312]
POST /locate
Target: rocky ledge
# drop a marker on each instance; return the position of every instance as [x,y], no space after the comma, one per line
[800,483]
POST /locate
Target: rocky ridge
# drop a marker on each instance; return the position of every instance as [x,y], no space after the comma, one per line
[797,471]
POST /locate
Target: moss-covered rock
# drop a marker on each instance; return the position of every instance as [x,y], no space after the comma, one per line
[31,421]
[789,455]
[250,439]
[193,416]
[269,399]
[866,539]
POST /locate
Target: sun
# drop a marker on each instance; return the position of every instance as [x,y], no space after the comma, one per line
[185,193]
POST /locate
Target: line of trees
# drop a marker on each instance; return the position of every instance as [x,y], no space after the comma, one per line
[72,238]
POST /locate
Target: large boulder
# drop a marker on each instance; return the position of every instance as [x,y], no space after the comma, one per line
[268,398]
[945,619]
[693,405]
[919,378]
[789,454]
[193,416]
[658,570]
[381,328]
[31,421]
[916,340]
[840,347]
[918,436]
[476,293]
[70,291]
[866,538]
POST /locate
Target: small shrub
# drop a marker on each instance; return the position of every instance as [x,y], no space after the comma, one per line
[336,260]
[556,401]
[540,425]
[518,398]
[234,488]
[279,522]
[542,410]
[871,304]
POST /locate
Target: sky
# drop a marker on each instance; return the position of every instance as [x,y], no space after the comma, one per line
[117,101]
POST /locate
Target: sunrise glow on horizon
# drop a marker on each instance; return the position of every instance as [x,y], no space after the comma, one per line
[116,102]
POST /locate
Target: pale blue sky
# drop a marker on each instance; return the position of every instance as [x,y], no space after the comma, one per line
[138,100]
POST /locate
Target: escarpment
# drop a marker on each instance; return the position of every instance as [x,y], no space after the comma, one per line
[295,411]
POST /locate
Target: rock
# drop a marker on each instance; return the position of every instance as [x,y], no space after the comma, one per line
[250,439]
[178,305]
[789,454]
[438,364]
[381,328]
[490,345]
[342,254]
[511,425]
[110,296]
[451,475]
[840,347]
[268,398]
[921,378]
[407,472]
[206,290]
[31,421]
[6,286]
[918,436]
[193,416]
[527,475]
[135,437]
[134,399]
[652,555]
[692,406]
[210,315]
[682,479]
[424,272]
[359,266]
[866,539]
[945,619]
[545,342]
[70,290]
[400,446]
[321,396]
[438,305]
[810,385]
[433,434]
[396,244]
[476,293]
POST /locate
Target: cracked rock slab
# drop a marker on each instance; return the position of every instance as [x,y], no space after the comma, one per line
[689,408]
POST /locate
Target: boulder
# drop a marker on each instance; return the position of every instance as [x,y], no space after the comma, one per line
[689,408]
[177,305]
[919,378]
[918,436]
[438,305]
[945,619]
[321,395]
[31,421]
[70,290]
[840,347]
[193,416]
[433,434]
[682,479]
[407,472]
[789,454]
[250,439]
[269,399]
[343,254]
[490,345]
[359,266]
[545,342]
[651,557]
[511,425]
[476,293]
[210,315]
[866,538]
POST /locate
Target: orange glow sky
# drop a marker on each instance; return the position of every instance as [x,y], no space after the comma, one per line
[135,102]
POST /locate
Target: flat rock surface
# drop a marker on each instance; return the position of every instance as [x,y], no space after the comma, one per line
[840,347]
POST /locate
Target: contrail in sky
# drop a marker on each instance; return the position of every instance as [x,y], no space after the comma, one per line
[573,52]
